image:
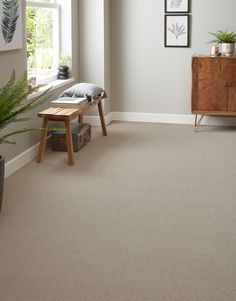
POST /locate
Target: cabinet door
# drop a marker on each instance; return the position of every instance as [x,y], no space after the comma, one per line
[208,92]
[229,74]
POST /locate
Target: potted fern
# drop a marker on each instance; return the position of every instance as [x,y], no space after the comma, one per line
[14,103]
[227,40]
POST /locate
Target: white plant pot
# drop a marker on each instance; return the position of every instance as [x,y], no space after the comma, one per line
[227,48]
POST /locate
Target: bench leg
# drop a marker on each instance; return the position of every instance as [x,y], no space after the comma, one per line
[100,110]
[69,142]
[80,119]
[43,140]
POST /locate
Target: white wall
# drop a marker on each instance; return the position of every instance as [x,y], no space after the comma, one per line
[107,60]
[91,42]
[146,76]
[94,64]
[75,39]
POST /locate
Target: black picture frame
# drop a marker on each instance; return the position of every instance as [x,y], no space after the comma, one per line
[176,30]
[177,6]
[11,25]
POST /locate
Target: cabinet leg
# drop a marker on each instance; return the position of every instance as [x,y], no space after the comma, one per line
[197,122]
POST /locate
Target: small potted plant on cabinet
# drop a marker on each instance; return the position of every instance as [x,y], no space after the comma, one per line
[63,69]
[14,103]
[227,40]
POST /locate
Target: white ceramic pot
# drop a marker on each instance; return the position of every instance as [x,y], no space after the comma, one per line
[227,48]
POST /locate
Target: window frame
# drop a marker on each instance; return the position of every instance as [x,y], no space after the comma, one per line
[56,39]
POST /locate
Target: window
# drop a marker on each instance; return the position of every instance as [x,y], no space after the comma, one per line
[43,39]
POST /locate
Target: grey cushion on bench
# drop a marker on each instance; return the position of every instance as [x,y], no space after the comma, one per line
[88,90]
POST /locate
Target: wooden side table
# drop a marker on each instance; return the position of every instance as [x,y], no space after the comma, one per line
[67,115]
[213,86]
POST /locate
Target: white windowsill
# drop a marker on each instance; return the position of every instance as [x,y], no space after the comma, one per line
[53,85]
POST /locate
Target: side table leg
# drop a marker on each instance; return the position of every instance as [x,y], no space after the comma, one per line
[69,142]
[43,140]
[103,124]
[197,122]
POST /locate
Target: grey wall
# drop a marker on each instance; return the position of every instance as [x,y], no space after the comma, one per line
[146,77]
[16,59]
[94,45]
[75,39]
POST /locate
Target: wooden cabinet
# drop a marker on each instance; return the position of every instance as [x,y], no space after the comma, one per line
[213,86]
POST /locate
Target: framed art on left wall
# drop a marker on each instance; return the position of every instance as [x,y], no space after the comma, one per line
[10,24]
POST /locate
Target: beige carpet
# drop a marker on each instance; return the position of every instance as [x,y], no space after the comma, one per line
[147,214]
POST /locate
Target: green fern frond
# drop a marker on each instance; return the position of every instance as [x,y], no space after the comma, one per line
[3,138]
[8,85]
[13,103]
[223,36]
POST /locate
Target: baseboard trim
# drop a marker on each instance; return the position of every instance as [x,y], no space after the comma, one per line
[95,120]
[152,117]
[30,154]
[21,160]
[172,118]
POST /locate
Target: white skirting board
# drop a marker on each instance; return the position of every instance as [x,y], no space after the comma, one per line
[171,118]
[30,154]
[152,117]
[21,160]
[95,120]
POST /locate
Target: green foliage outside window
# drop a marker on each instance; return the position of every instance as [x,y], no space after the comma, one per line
[39,31]
[30,32]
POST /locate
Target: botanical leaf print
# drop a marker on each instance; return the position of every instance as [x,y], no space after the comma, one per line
[175,3]
[10,14]
[177,30]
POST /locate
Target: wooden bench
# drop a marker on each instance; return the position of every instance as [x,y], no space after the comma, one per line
[67,115]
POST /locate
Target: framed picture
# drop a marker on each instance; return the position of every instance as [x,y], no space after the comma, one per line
[10,24]
[177,6]
[176,30]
